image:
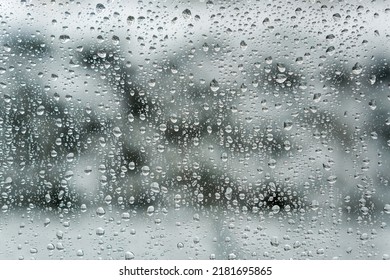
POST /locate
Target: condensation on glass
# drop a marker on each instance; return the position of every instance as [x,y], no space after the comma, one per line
[194,129]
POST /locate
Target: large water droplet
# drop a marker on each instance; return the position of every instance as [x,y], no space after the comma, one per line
[357,69]
[100,8]
[214,86]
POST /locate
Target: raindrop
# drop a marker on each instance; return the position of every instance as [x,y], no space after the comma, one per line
[125,216]
[272,163]
[214,86]
[100,211]
[100,231]
[100,8]
[117,132]
[130,20]
[386,208]
[243,45]
[280,78]
[150,210]
[80,253]
[337,17]
[357,69]
[287,125]
[274,241]
[155,187]
[186,14]
[64,38]
[332,179]
[40,110]
[275,209]
[129,255]
[145,170]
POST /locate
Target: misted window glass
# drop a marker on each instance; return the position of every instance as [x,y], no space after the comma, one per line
[194,129]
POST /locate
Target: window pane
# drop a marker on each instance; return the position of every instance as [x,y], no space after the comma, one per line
[194,129]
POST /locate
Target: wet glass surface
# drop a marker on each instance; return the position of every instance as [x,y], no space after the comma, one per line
[194,129]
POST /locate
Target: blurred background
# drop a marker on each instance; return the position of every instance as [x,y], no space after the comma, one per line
[194,129]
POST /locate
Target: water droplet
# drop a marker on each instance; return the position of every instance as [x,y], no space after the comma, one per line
[275,209]
[155,187]
[100,8]
[186,14]
[320,251]
[129,255]
[272,163]
[287,125]
[4,208]
[228,193]
[332,179]
[60,234]
[274,241]
[130,20]
[100,211]
[243,45]
[386,208]
[232,256]
[314,205]
[214,86]
[364,210]
[357,69]
[88,170]
[100,231]
[337,17]
[80,253]
[33,250]
[125,216]
[115,40]
[280,78]
[117,132]
[372,104]
[131,165]
[83,208]
[145,170]
[40,110]
[150,210]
